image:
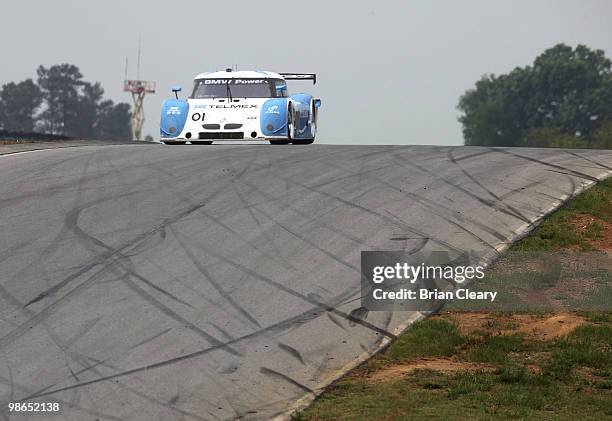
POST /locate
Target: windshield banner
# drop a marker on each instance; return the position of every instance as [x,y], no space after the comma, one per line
[234,81]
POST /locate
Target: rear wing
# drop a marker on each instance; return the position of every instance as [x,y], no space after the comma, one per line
[300,76]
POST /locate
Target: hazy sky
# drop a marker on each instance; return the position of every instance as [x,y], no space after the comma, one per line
[389,71]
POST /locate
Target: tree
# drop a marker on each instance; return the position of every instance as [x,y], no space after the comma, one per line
[491,114]
[76,108]
[83,123]
[602,138]
[70,106]
[60,86]
[113,121]
[568,90]
[18,105]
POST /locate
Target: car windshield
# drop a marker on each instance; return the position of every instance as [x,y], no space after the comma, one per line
[239,88]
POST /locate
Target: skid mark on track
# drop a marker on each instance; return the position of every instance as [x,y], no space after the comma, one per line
[344,202]
[79,358]
[152,338]
[434,207]
[50,309]
[128,268]
[489,203]
[392,221]
[473,155]
[87,240]
[568,171]
[68,354]
[100,261]
[101,244]
[262,230]
[335,320]
[25,390]
[314,220]
[292,351]
[216,285]
[223,332]
[360,313]
[284,288]
[421,234]
[518,190]
[496,198]
[314,245]
[202,269]
[272,373]
[592,161]
[46,167]
[237,235]
[277,327]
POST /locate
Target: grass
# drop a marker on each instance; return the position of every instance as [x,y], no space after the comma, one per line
[495,349]
[436,338]
[527,378]
[574,379]
[557,232]
[587,346]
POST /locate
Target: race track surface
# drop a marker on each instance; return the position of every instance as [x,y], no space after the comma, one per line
[157,282]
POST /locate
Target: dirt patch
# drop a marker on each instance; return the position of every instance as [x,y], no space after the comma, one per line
[541,328]
[584,222]
[444,365]
[552,327]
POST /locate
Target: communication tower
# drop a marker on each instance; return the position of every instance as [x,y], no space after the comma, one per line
[138,88]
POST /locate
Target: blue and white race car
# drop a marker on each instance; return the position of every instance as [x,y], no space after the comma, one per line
[241,105]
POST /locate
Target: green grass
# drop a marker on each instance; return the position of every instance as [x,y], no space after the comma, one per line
[588,346]
[430,338]
[495,349]
[573,381]
[557,233]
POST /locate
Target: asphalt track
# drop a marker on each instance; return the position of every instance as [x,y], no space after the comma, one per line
[150,282]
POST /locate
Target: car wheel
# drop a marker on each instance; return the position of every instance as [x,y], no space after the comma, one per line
[290,122]
[290,129]
[313,119]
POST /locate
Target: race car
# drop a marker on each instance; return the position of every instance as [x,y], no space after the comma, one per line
[241,106]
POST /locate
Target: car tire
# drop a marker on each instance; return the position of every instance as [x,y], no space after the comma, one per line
[313,119]
[289,128]
[290,122]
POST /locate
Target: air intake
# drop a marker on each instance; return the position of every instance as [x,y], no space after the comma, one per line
[221,135]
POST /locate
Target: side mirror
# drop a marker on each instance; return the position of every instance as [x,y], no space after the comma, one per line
[281,90]
[317,103]
[176,89]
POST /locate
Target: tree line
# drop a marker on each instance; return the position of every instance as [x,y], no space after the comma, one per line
[60,102]
[563,100]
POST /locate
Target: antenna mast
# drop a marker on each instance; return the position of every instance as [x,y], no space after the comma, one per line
[138,64]
[138,88]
